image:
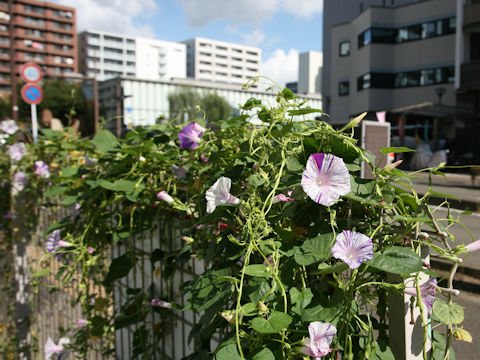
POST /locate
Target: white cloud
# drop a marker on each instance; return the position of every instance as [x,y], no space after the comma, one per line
[113,15]
[281,67]
[250,12]
[255,38]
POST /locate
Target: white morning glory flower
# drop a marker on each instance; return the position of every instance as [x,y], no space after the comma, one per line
[219,194]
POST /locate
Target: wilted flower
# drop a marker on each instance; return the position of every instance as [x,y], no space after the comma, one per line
[19,181]
[58,350]
[474,246]
[54,242]
[179,172]
[90,250]
[204,158]
[352,248]
[219,194]
[321,336]
[427,292]
[89,161]
[81,323]
[41,169]
[161,303]
[162,195]
[282,198]
[269,261]
[190,135]
[325,178]
[17,151]
[9,126]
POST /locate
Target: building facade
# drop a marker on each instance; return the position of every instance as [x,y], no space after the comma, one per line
[218,61]
[310,72]
[39,32]
[108,55]
[144,100]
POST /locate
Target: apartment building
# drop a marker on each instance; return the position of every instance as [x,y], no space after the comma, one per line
[388,58]
[220,61]
[39,32]
[107,55]
[310,72]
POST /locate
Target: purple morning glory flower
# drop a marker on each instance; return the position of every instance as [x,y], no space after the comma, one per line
[19,181]
[352,248]
[58,350]
[190,135]
[161,303]
[17,151]
[321,336]
[9,127]
[179,172]
[427,292]
[282,198]
[219,194]
[80,323]
[325,178]
[54,242]
[41,169]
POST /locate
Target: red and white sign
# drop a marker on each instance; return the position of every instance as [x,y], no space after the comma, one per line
[32,93]
[31,73]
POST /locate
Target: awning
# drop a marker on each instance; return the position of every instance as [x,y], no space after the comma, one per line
[432,110]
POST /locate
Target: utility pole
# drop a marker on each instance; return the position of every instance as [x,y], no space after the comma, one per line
[13,66]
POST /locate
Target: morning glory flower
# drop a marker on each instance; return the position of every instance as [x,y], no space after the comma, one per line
[17,151]
[161,303]
[353,248]
[178,172]
[41,169]
[474,246]
[219,194]
[190,135]
[53,349]
[9,126]
[427,292]
[19,181]
[321,336]
[162,195]
[80,323]
[283,198]
[325,178]
[54,242]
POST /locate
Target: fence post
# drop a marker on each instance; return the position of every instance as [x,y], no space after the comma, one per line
[22,278]
[406,336]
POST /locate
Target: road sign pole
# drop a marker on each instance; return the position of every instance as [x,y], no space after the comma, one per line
[33,109]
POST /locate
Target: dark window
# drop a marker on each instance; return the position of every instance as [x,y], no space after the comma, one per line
[344,48]
[343,88]
[363,82]
[365,38]
[475,46]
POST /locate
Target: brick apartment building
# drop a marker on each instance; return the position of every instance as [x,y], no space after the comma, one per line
[39,32]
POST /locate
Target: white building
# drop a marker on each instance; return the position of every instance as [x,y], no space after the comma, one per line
[108,55]
[144,100]
[310,72]
[220,61]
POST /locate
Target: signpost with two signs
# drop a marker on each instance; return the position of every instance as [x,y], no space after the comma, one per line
[32,92]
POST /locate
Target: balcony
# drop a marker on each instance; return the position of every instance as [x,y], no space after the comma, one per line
[471,13]
[469,79]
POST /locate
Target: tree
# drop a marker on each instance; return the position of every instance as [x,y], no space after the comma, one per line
[63,98]
[186,101]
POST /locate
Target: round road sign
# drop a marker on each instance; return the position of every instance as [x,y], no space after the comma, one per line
[31,73]
[32,93]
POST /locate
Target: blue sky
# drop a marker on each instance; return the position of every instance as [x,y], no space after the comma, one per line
[281,28]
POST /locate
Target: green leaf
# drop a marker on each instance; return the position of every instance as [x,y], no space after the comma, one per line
[324,268]
[288,94]
[303,111]
[251,103]
[120,267]
[69,171]
[264,354]
[294,165]
[70,200]
[275,323]
[321,313]
[314,250]
[447,314]
[249,309]
[441,195]
[256,180]
[229,352]
[55,190]
[40,273]
[393,149]
[105,141]
[126,186]
[300,299]
[397,260]
[259,270]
